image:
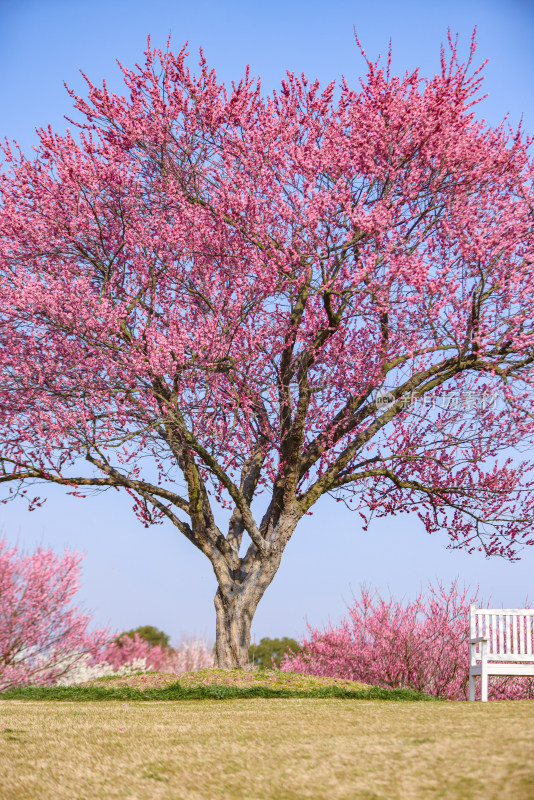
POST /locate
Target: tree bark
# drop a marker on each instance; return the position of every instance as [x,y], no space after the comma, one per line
[240,590]
[234,618]
[235,605]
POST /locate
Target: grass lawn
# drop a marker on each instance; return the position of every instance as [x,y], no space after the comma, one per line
[278,748]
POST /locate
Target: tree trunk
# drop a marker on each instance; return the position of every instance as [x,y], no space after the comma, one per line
[236,600]
[234,618]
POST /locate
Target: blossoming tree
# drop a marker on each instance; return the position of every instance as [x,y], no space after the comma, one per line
[42,636]
[223,281]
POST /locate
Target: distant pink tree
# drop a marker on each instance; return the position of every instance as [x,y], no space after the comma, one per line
[41,635]
[189,656]
[131,648]
[211,294]
[421,645]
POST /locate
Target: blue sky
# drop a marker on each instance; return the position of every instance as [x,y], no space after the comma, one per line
[134,576]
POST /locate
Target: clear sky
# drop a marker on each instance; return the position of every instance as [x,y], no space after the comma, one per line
[133,576]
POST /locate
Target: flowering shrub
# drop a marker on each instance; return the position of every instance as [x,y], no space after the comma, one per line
[83,670]
[421,645]
[136,655]
[39,631]
[128,649]
[189,656]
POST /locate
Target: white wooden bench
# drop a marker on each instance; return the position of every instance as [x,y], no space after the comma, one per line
[501,642]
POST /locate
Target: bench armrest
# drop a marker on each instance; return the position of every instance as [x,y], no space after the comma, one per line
[478,639]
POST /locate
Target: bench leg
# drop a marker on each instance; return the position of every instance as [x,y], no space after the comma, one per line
[484,686]
[472,684]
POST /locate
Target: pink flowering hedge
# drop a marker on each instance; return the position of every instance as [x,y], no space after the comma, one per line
[421,645]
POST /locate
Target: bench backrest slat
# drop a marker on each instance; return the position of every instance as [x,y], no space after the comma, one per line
[509,631]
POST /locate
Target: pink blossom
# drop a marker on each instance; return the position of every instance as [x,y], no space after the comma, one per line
[189,656]
[421,645]
[41,634]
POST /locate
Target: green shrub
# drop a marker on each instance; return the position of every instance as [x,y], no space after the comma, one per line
[262,654]
[149,633]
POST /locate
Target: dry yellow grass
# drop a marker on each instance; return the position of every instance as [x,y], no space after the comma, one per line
[223,677]
[257,749]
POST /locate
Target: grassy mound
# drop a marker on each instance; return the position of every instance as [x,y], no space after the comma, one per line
[213,684]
